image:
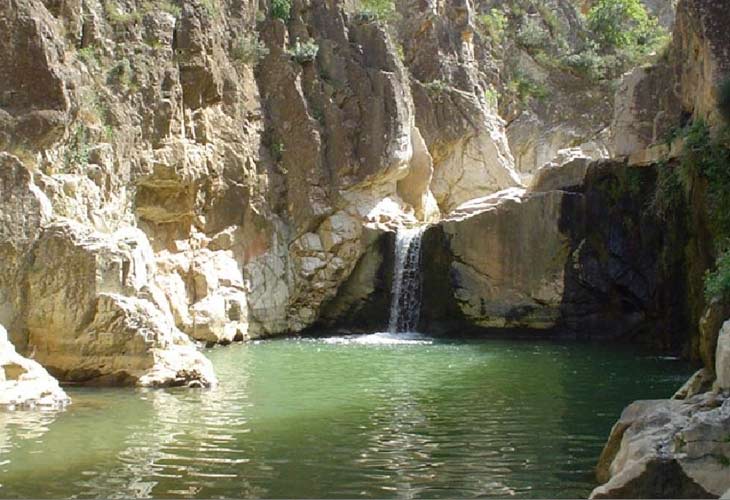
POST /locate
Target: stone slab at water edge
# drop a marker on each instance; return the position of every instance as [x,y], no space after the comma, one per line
[24,383]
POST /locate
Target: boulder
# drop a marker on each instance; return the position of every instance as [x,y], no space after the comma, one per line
[567,170]
[711,327]
[507,269]
[668,449]
[94,314]
[24,383]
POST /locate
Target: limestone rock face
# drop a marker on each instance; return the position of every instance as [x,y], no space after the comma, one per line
[93,314]
[507,270]
[579,254]
[567,170]
[653,100]
[645,109]
[668,448]
[24,209]
[700,40]
[711,325]
[170,186]
[463,132]
[33,97]
[24,383]
[535,141]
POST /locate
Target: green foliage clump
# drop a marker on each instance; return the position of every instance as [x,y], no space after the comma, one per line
[532,36]
[669,193]
[619,24]
[493,25]
[717,282]
[248,49]
[168,6]
[120,18]
[624,29]
[281,9]
[491,96]
[77,149]
[588,62]
[211,7]
[436,87]
[88,55]
[621,34]
[708,158]
[276,149]
[526,88]
[377,10]
[705,159]
[121,73]
[303,52]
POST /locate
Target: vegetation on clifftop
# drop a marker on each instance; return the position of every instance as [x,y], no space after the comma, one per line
[612,37]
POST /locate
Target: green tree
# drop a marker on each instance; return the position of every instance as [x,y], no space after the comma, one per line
[622,24]
[281,9]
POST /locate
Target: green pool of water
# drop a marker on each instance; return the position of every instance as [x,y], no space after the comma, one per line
[343,418]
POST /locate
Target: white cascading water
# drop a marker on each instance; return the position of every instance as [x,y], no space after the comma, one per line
[405,300]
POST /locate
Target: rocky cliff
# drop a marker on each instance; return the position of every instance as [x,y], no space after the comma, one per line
[179,173]
[195,170]
[217,170]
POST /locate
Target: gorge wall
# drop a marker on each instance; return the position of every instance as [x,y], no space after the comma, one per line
[176,173]
[205,170]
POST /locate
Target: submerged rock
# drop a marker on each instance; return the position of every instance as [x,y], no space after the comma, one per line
[24,383]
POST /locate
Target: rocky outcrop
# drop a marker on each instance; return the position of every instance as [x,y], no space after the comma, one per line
[668,448]
[506,269]
[579,254]
[462,130]
[653,101]
[646,108]
[93,313]
[702,61]
[204,171]
[673,448]
[676,447]
[84,303]
[24,383]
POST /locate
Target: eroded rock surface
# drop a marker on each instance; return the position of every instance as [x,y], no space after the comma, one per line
[668,448]
[24,383]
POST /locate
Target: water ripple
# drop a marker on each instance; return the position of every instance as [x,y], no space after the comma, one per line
[368,416]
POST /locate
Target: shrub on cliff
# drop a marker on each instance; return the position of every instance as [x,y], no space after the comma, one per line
[493,25]
[717,282]
[624,34]
[248,49]
[377,10]
[622,24]
[281,9]
[303,52]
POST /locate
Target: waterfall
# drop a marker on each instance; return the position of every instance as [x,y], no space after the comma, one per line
[405,300]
